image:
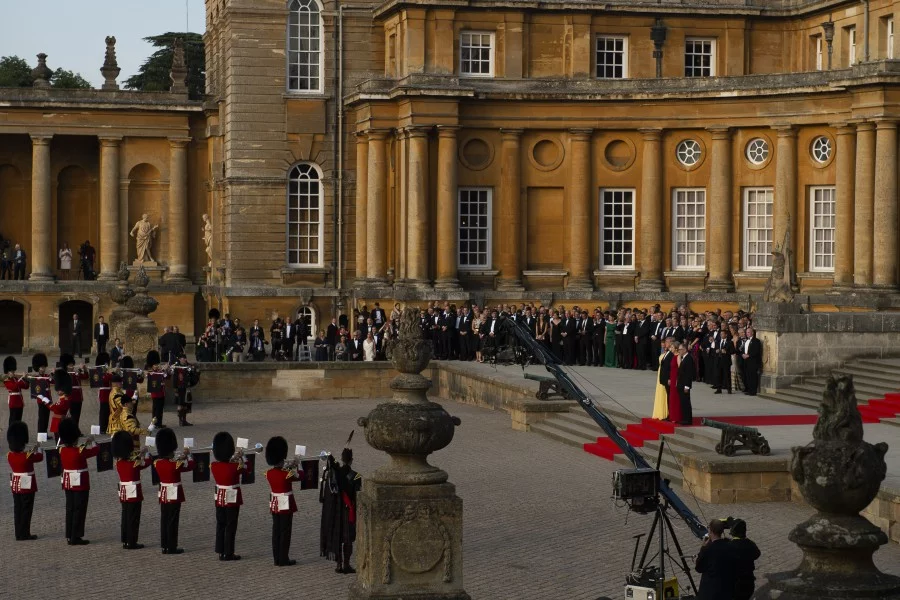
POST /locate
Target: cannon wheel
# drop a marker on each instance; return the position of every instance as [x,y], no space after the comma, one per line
[728,449]
[764,449]
[719,448]
[540,395]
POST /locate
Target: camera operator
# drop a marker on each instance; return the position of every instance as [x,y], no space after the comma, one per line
[715,562]
[88,254]
[745,554]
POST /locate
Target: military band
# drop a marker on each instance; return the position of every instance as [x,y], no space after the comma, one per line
[130,461]
[40,383]
[76,481]
[171,494]
[227,470]
[22,481]
[14,384]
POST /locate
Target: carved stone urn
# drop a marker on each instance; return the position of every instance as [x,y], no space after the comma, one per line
[838,474]
[140,333]
[120,294]
[410,530]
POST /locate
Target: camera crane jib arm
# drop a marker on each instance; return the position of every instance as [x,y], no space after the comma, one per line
[551,363]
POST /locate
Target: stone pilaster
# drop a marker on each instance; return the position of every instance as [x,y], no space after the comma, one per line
[510,221]
[843,228]
[109,208]
[362,181]
[178,210]
[884,236]
[786,188]
[41,252]
[863,204]
[652,206]
[718,245]
[447,210]
[579,266]
[418,224]
[376,230]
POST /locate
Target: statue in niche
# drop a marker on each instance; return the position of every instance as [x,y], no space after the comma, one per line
[146,233]
[208,238]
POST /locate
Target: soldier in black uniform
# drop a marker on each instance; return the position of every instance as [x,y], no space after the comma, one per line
[340,485]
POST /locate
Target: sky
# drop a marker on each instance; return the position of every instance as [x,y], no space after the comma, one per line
[72,34]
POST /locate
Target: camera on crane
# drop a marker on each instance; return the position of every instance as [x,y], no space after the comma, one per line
[637,487]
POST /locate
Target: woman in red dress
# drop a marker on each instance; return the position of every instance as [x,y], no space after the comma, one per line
[674,400]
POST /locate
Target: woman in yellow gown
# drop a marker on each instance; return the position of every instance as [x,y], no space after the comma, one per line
[661,400]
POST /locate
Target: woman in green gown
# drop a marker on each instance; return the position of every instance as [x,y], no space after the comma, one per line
[610,347]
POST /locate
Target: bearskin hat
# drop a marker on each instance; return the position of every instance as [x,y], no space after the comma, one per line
[9,364]
[68,432]
[122,445]
[65,360]
[152,359]
[17,436]
[116,377]
[739,528]
[127,362]
[39,360]
[63,381]
[276,450]
[214,313]
[166,442]
[223,446]
[347,456]
[102,359]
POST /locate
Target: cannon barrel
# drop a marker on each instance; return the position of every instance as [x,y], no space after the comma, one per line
[730,426]
[535,377]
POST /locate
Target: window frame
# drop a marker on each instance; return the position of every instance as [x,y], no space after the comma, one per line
[610,36]
[851,45]
[813,229]
[313,322]
[745,226]
[820,53]
[321,50]
[490,229]
[320,235]
[695,267]
[712,55]
[492,61]
[601,237]
[889,38]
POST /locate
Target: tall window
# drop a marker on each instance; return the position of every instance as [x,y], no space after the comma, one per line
[616,229]
[307,315]
[304,218]
[889,40]
[476,54]
[612,57]
[689,236]
[758,208]
[475,228]
[699,57]
[851,46]
[821,222]
[819,53]
[304,47]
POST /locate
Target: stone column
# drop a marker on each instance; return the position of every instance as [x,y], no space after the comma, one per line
[652,206]
[109,208]
[362,198]
[510,221]
[579,266]
[376,229]
[863,204]
[885,233]
[843,228]
[41,251]
[785,189]
[447,210]
[178,210]
[418,225]
[718,213]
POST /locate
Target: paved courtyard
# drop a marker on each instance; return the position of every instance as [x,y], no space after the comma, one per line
[539,521]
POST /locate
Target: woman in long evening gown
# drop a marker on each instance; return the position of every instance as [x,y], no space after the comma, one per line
[660,401]
[610,345]
[674,399]
[556,336]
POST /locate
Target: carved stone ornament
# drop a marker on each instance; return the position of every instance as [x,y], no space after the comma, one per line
[110,69]
[41,73]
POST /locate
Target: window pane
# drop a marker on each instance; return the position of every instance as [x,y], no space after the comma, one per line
[758,228]
[474,248]
[304,46]
[303,215]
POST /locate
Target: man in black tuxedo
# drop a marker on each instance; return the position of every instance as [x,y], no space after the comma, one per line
[288,336]
[180,340]
[464,329]
[101,334]
[586,340]
[685,383]
[599,337]
[530,322]
[76,331]
[657,327]
[570,343]
[378,316]
[331,337]
[642,343]
[356,347]
[628,339]
[665,367]
[117,352]
[752,356]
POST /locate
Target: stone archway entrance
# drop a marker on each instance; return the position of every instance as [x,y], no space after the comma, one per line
[12,331]
[85,312]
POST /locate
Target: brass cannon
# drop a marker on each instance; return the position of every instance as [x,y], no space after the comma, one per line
[738,436]
[549,387]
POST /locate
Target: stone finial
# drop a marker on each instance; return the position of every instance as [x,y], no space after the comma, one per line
[179,71]
[42,73]
[110,68]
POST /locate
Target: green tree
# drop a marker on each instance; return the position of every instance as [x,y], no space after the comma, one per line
[153,76]
[14,72]
[68,80]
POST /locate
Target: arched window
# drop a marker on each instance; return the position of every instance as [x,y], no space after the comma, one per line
[304,47]
[304,218]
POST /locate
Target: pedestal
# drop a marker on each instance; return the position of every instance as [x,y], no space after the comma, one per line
[154,271]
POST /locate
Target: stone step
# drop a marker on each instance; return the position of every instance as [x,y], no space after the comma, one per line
[894,421]
[669,469]
[786,398]
[865,390]
[587,432]
[549,431]
[681,443]
[577,416]
[879,377]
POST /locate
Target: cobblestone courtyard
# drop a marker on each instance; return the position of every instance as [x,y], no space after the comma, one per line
[539,521]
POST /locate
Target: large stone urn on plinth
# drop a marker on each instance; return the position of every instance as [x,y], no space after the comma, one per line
[120,294]
[839,475]
[139,333]
[410,518]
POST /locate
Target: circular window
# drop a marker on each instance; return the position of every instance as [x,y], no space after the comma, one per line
[758,151]
[476,154]
[821,149]
[689,152]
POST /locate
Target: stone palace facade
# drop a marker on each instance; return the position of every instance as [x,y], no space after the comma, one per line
[599,154]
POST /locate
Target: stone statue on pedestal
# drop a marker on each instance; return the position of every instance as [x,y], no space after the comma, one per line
[146,233]
[208,238]
[780,286]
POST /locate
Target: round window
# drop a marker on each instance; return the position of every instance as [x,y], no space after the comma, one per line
[758,151]
[689,152]
[821,149]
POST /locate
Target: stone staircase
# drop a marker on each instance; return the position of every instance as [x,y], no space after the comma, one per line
[872,378]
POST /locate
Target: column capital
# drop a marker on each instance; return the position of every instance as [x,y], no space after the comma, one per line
[179,142]
[511,134]
[41,139]
[362,135]
[378,135]
[885,123]
[581,134]
[864,125]
[785,130]
[417,131]
[110,141]
[719,132]
[448,131]
[651,134]
[843,128]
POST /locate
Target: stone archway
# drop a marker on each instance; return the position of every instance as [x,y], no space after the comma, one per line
[12,333]
[85,312]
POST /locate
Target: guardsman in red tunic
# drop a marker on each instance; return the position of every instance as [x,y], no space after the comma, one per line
[60,408]
[128,364]
[39,365]
[158,396]
[76,482]
[226,472]
[76,398]
[14,385]
[281,502]
[21,479]
[104,390]
[129,464]
[171,494]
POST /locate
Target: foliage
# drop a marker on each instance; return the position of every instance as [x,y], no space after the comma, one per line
[64,79]
[153,76]
[14,72]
